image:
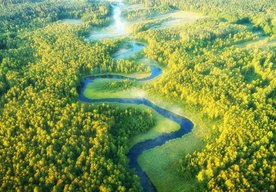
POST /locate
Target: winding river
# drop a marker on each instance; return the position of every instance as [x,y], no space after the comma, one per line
[185,125]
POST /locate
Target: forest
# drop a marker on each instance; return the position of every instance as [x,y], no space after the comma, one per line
[221,67]
[237,87]
[260,13]
[49,141]
[240,96]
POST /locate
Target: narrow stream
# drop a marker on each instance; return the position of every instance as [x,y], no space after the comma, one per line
[185,125]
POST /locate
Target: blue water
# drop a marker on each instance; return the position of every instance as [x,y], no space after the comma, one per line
[134,49]
[185,125]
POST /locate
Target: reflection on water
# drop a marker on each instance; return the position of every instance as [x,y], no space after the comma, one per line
[134,49]
[118,22]
[185,127]
[117,28]
[139,148]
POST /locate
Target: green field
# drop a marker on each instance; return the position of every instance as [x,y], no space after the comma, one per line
[161,162]
[260,42]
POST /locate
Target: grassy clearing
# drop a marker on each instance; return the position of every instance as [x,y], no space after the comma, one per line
[103,33]
[97,90]
[135,7]
[260,42]
[168,20]
[150,62]
[163,125]
[177,18]
[161,163]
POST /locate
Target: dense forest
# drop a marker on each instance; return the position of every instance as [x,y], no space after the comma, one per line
[240,95]
[49,141]
[227,83]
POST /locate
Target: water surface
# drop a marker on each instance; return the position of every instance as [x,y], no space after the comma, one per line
[138,149]
[115,30]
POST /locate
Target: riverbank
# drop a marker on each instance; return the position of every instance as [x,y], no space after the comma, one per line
[160,156]
[162,162]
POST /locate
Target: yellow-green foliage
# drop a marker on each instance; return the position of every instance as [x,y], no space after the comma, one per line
[48,140]
[260,13]
[234,85]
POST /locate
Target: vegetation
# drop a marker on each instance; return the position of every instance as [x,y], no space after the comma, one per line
[147,12]
[50,141]
[236,86]
[260,13]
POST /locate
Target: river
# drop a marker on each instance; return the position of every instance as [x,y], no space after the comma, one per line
[185,125]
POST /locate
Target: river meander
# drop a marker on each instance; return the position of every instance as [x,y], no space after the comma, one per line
[185,125]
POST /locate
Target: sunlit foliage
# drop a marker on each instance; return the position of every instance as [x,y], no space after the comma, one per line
[235,87]
[48,140]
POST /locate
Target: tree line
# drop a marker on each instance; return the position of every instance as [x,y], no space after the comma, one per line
[233,86]
[48,139]
[260,13]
